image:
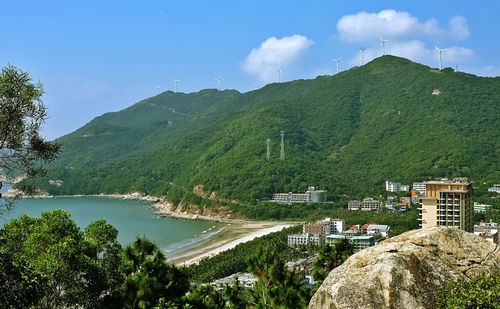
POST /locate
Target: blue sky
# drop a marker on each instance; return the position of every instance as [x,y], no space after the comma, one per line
[101,56]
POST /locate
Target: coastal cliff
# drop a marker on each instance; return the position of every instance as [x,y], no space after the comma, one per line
[407,270]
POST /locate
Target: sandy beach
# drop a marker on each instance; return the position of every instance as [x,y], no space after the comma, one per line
[236,231]
[231,235]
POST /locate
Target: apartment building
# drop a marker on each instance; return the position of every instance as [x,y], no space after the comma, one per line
[304,239]
[447,203]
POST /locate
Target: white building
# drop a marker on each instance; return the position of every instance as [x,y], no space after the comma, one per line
[325,227]
[395,186]
[354,205]
[305,239]
[358,242]
[404,188]
[419,187]
[336,225]
[334,238]
[362,242]
[392,186]
[488,231]
[494,188]
[244,279]
[478,207]
[311,196]
[378,229]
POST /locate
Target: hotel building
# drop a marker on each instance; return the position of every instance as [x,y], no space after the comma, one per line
[447,203]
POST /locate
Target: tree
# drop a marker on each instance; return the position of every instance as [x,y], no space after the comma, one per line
[203,296]
[20,286]
[64,266]
[481,292]
[149,277]
[276,287]
[22,150]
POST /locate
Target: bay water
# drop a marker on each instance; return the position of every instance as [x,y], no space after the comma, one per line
[130,218]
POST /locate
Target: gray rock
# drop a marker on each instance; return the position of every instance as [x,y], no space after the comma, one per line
[407,270]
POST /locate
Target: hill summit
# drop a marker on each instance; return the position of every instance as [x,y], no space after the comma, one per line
[347,133]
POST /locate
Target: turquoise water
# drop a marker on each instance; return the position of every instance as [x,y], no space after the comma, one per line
[131,218]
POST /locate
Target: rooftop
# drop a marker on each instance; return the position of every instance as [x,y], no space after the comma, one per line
[379,227]
[457,181]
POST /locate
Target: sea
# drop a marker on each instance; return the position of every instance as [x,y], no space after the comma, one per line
[132,219]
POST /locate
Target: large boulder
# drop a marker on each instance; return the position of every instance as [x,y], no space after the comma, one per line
[407,270]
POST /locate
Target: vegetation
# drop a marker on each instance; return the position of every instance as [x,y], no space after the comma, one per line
[330,257]
[345,133]
[399,222]
[22,150]
[481,292]
[275,287]
[48,262]
[234,260]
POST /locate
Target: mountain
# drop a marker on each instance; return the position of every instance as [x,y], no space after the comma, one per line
[141,128]
[347,133]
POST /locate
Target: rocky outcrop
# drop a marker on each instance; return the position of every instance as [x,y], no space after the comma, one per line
[407,270]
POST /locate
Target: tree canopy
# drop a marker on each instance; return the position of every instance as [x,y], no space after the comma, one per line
[23,151]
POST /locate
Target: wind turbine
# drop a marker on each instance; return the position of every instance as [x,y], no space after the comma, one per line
[176,81]
[382,45]
[278,70]
[338,61]
[218,80]
[362,52]
[440,51]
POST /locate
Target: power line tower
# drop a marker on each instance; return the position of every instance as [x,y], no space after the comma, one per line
[268,153]
[282,153]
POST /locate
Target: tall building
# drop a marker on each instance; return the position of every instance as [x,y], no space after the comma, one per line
[447,203]
[325,227]
[395,186]
[392,186]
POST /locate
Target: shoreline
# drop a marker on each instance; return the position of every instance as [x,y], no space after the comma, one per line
[236,231]
[162,208]
[230,236]
[13,193]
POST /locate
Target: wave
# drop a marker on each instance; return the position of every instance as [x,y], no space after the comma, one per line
[184,246]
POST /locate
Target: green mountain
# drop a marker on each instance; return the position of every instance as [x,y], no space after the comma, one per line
[142,127]
[389,119]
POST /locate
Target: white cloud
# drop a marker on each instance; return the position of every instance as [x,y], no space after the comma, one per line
[364,26]
[457,54]
[273,52]
[489,70]
[458,28]
[414,50]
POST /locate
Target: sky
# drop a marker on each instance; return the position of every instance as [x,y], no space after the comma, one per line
[95,57]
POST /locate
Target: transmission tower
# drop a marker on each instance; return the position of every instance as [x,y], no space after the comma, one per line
[282,153]
[268,153]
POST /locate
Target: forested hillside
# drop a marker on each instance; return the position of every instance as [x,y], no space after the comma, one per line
[389,119]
